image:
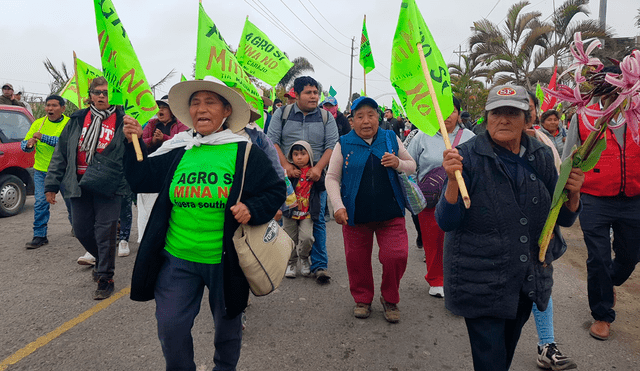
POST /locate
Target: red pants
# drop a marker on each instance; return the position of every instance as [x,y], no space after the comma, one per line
[432,240]
[394,250]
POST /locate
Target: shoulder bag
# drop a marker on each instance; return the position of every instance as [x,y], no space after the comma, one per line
[263,250]
[413,199]
[432,183]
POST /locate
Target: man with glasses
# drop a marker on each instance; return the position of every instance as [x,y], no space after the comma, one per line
[7,96]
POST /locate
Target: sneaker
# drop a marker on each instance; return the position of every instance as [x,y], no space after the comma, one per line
[550,358]
[105,289]
[243,319]
[123,248]
[73,233]
[362,310]
[36,242]
[419,243]
[87,259]
[291,271]
[94,275]
[306,267]
[436,291]
[322,276]
[391,311]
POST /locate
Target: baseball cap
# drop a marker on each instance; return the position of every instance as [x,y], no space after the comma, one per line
[330,100]
[363,100]
[7,85]
[507,96]
[290,94]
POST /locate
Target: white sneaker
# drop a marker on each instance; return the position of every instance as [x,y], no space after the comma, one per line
[87,259]
[437,291]
[123,248]
[306,267]
[291,271]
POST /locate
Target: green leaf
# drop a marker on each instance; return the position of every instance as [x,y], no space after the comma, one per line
[565,170]
[593,158]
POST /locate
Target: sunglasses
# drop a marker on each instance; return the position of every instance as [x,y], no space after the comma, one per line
[100,92]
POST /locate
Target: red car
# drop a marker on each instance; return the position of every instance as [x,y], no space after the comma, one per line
[16,166]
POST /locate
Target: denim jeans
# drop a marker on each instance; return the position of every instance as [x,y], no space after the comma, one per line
[319,257]
[178,293]
[544,323]
[41,206]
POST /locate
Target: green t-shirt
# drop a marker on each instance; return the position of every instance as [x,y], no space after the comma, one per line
[199,193]
[44,151]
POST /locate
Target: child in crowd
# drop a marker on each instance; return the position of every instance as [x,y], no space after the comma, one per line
[298,221]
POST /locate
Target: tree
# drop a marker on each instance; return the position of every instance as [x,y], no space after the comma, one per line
[467,86]
[60,76]
[638,19]
[300,65]
[509,52]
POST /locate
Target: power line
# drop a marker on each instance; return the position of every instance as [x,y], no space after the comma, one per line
[320,24]
[325,18]
[312,31]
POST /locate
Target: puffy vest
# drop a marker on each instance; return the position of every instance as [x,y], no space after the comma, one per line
[618,171]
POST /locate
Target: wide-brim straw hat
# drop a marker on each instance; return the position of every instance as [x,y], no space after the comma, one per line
[181,92]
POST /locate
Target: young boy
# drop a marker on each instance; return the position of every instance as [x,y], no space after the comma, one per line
[298,221]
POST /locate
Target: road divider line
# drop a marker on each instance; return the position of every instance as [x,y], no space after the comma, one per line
[45,339]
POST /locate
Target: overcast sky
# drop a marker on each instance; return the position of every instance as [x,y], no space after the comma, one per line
[163,33]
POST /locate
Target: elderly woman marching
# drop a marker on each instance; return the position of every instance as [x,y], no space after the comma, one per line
[492,275]
[363,185]
[187,244]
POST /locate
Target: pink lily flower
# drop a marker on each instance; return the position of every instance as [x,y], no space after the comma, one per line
[582,58]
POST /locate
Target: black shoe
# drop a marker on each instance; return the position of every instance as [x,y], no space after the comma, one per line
[550,358]
[37,242]
[105,289]
[419,243]
[322,276]
[94,275]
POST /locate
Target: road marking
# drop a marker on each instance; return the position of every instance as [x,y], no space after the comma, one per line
[44,340]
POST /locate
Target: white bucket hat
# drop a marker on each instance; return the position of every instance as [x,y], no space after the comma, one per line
[181,92]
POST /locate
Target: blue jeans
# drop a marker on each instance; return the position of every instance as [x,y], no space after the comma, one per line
[544,323]
[178,295]
[41,207]
[319,257]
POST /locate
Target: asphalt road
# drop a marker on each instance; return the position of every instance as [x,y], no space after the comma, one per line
[302,326]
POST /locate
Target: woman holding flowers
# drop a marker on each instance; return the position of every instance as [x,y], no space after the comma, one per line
[492,275]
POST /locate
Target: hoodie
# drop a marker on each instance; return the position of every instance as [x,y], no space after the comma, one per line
[316,188]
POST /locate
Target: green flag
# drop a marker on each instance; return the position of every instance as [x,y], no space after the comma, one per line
[214,58]
[182,78]
[260,57]
[272,96]
[406,71]
[86,74]
[332,91]
[127,84]
[539,93]
[394,107]
[366,57]
[321,96]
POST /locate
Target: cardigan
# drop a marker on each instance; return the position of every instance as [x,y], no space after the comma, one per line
[262,195]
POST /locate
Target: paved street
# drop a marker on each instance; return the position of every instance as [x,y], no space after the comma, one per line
[302,326]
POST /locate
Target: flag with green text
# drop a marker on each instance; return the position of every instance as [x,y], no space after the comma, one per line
[260,57]
[86,74]
[366,57]
[407,76]
[214,58]
[127,84]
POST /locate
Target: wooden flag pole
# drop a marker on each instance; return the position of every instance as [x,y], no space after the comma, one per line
[443,129]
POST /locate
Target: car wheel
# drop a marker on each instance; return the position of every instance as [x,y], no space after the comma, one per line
[13,194]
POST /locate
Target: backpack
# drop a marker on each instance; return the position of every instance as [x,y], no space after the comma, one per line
[286,110]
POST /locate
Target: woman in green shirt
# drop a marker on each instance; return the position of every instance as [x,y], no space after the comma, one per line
[187,243]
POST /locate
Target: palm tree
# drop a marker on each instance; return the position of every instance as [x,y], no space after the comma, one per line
[466,85]
[300,65]
[60,76]
[510,52]
[564,29]
[638,19]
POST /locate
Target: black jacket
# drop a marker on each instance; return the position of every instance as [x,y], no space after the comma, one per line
[263,194]
[63,165]
[343,124]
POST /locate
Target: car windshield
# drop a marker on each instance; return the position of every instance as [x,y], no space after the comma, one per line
[13,126]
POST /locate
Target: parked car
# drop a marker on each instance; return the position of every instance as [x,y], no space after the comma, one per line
[16,166]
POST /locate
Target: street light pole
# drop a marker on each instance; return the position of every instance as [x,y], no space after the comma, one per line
[353,40]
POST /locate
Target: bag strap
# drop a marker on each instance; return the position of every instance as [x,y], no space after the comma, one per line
[458,137]
[287,110]
[244,168]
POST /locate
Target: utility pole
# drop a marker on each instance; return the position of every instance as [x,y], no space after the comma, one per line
[603,14]
[459,52]
[353,40]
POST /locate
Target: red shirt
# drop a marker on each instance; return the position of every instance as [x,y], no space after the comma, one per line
[303,191]
[106,135]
